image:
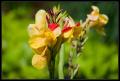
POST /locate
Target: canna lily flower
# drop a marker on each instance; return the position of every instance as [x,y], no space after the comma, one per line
[71,30]
[97,20]
[41,37]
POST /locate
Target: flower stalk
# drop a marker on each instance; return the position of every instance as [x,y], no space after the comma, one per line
[61,63]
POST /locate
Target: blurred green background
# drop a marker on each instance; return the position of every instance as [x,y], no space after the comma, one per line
[99,59]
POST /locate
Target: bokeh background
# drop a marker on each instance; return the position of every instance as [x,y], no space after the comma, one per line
[99,59]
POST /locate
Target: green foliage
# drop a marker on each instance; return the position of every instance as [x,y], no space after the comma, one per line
[16,53]
[99,59]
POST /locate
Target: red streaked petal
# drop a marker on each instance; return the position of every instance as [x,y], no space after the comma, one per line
[78,24]
[53,26]
[66,29]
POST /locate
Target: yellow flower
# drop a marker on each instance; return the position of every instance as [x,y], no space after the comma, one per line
[41,37]
[97,20]
[40,24]
[71,30]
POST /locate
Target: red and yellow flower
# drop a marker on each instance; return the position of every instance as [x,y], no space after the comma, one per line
[71,30]
[41,37]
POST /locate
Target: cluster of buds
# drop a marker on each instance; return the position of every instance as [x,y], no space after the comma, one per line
[54,27]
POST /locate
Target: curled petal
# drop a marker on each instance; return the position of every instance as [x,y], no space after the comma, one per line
[103,19]
[40,19]
[94,15]
[95,8]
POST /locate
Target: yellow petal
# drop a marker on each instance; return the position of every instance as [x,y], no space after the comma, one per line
[99,24]
[103,19]
[42,60]
[36,42]
[95,8]
[40,19]
[68,34]
[50,37]
[94,15]
[39,62]
[33,30]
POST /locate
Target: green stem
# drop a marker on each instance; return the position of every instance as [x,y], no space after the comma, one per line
[53,55]
[61,63]
[52,68]
[74,73]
